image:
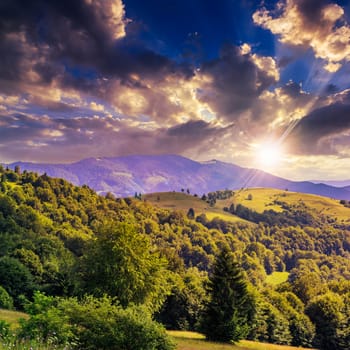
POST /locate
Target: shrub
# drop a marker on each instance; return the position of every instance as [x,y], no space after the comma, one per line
[16,279]
[94,324]
[4,330]
[6,301]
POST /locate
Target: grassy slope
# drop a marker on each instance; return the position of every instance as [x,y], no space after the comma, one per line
[263,199]
[11,317]
[183,202]
[277,278]
[195,341]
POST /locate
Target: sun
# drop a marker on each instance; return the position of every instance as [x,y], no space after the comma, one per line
[269,155]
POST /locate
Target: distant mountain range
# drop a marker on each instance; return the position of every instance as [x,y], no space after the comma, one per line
[123,176]
[335,183]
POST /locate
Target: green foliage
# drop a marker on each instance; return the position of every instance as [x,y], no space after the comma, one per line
[30,260]
[16,279]
[331,315]
[48,321]
[306,280]
[227,314]
[270,325]
[104,326]
[49,229]
[5,331]
[93,324]
[290,309]
[301,329]
[6,301]
[182,308]
[119,262]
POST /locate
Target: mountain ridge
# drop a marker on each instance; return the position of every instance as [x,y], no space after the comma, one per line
[123,176]
[333,183]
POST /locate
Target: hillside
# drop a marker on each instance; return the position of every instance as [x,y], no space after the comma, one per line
[183,202]
[259,200]
[123,176]
[270,199]
[67,241]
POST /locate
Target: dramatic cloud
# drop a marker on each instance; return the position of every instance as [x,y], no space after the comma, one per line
[310,23]
[79,79]
[75,44]
[29,137]
[324,131]
[109,14]
[233,81]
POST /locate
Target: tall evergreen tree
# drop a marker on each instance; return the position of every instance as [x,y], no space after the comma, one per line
[230,307]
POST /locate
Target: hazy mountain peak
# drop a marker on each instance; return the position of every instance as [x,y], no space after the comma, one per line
[126,175]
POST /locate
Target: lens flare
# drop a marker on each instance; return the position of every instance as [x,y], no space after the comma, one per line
[269,155]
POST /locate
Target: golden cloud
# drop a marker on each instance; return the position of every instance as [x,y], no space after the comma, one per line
[322,33]
[110,14]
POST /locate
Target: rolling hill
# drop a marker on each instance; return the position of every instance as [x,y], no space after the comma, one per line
[123,176]
[262,199]
[183,202]
[272,199]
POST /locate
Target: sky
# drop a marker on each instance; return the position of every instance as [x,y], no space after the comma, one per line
[262,84]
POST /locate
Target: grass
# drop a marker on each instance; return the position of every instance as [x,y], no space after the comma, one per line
[277,278]
[14,343]
[28,345]
[184,340]
[183,202]
[196,341]
[12,317]
[264,199]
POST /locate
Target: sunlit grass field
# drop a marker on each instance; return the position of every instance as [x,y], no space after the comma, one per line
[183,201]
[264,198]
[195,341]
[277,278]
[12,317]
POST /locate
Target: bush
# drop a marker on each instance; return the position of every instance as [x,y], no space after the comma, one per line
[4,330]
[16,279]
[6,302]
[93,324]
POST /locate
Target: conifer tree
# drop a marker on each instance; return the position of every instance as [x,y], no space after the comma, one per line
[230,307]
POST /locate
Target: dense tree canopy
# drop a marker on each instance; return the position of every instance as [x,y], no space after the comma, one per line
[68,241]
[119,262]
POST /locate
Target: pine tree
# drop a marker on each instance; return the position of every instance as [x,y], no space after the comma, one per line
[229,310]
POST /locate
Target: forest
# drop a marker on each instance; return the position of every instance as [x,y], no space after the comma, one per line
[92,271]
